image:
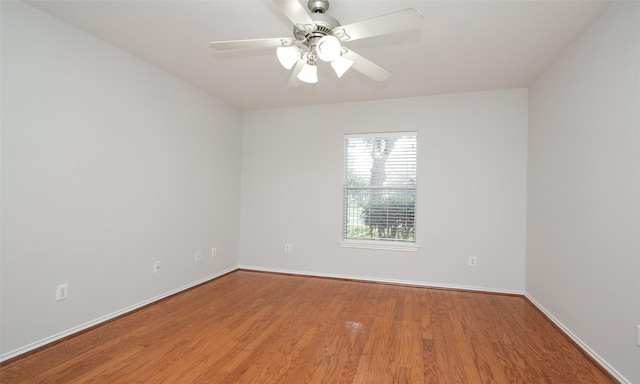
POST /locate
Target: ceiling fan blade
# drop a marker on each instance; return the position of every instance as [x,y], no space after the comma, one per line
[252,43]
[366,66]
[293,80]
[295,12]
[381,25]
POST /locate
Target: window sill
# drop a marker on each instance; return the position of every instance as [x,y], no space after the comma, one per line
[382,245]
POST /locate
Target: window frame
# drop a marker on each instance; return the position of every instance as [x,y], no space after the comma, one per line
[381,244]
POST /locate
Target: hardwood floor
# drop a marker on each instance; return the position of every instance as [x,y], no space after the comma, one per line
[251,327]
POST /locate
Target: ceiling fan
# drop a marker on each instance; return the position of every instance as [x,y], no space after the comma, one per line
[317,35]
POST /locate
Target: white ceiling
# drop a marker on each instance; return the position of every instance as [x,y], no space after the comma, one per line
[462,45]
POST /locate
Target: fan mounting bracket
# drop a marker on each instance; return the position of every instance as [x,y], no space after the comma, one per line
[318,6]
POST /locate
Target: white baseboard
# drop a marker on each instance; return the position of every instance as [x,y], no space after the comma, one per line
[71,331]
[602,362]
[382,280]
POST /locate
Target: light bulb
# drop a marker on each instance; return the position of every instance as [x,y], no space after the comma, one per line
[288,56]
[328,48]
[309,73]
[341,65]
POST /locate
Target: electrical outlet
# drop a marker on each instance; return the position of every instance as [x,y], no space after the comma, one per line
[156,267]
[198,255]
[62,291]
[473,262]
[287,248]
[214,252]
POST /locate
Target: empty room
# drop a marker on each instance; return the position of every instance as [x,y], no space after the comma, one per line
[344,191]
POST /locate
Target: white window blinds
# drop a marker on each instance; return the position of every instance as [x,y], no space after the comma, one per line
[380,187]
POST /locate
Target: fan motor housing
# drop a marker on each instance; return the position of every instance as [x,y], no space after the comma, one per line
[324,23]
[324,20]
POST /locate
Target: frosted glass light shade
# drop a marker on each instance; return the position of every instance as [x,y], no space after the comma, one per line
[309,73]
[328,48]
[341,65]
[288,56]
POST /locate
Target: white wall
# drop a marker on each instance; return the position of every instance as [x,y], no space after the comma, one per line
[583,237]
[108,164]
[471,189]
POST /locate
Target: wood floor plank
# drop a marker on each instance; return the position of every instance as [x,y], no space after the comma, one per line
[406,339]
[449,359]
[252,327]
[329,350]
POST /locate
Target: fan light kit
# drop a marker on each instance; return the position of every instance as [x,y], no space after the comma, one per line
[320,36]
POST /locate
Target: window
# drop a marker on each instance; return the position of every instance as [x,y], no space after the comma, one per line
[379,201]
